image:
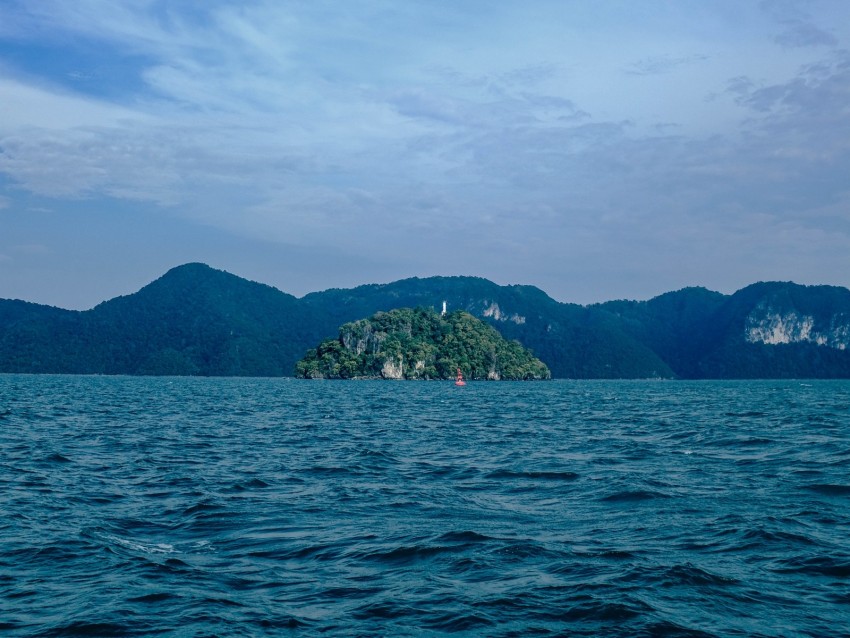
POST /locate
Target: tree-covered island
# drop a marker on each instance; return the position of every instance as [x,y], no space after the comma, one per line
[418,343]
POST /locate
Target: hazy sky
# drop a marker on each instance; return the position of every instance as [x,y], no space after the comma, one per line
[596,149]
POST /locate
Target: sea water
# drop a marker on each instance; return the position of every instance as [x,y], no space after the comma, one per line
[259,507]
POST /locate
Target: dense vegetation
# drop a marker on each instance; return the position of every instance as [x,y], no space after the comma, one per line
[701,334]
[200,321]
[193,321]
[420,344]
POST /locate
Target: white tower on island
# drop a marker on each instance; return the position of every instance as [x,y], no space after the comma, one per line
[443,314]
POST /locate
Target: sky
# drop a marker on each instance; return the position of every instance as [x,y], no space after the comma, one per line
[616,149]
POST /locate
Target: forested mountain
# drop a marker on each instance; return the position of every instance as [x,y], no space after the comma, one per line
[766,330]
[198,320]
[417,343]
[193,320]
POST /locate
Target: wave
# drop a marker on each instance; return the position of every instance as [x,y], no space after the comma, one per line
[828,489]
[764,536]
[815,565]
[633,496]
[202,507]
[534,475]
[457,622]
[463,537]
[253,484]
[690,575]
[94,628]
[157,597]
[137,546]
[410,554]
[669,629]
[599,611]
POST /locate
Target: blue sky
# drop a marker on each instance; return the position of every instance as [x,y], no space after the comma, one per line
[598,150]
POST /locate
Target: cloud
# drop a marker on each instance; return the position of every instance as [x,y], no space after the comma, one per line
[530,75]
[800,30]
[818,94]
[91,161]
[31,250]
[663,64]
[786,9]
[803,34]
[417,103]
[795,145]
[242,131]
[31,105]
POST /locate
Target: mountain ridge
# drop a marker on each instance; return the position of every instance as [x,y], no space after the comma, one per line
[198,320]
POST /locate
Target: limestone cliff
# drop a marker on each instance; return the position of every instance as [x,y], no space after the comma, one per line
[776,330]
[770,326]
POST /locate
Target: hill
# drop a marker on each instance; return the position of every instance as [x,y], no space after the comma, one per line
[192,321]
[201,321]
[766,330]
[420,344]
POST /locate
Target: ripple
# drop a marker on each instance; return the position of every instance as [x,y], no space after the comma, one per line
[152,598]
[816,565]
[688,574]
[633,496]
[601,611]
[464,537]
[829,489]
[533,475]
[411,554]
[453,623]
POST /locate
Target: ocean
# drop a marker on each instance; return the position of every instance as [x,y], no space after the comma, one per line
[134,506]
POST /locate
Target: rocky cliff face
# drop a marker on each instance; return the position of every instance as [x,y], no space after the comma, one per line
[765,325]
[492,310]
[393,369]
[359,338]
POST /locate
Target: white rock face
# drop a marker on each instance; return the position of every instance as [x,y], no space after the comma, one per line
[392,369]
[496,313]
[366,341]
[766,326]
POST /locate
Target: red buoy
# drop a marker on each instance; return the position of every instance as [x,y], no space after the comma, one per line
[459,380]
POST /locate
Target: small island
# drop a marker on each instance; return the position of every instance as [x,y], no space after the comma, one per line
[418,343]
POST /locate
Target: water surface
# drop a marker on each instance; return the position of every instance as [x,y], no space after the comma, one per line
[253,507]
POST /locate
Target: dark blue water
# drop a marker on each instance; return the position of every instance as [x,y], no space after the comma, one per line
[255,507]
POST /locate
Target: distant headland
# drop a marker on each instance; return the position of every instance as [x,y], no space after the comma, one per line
[196,320]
